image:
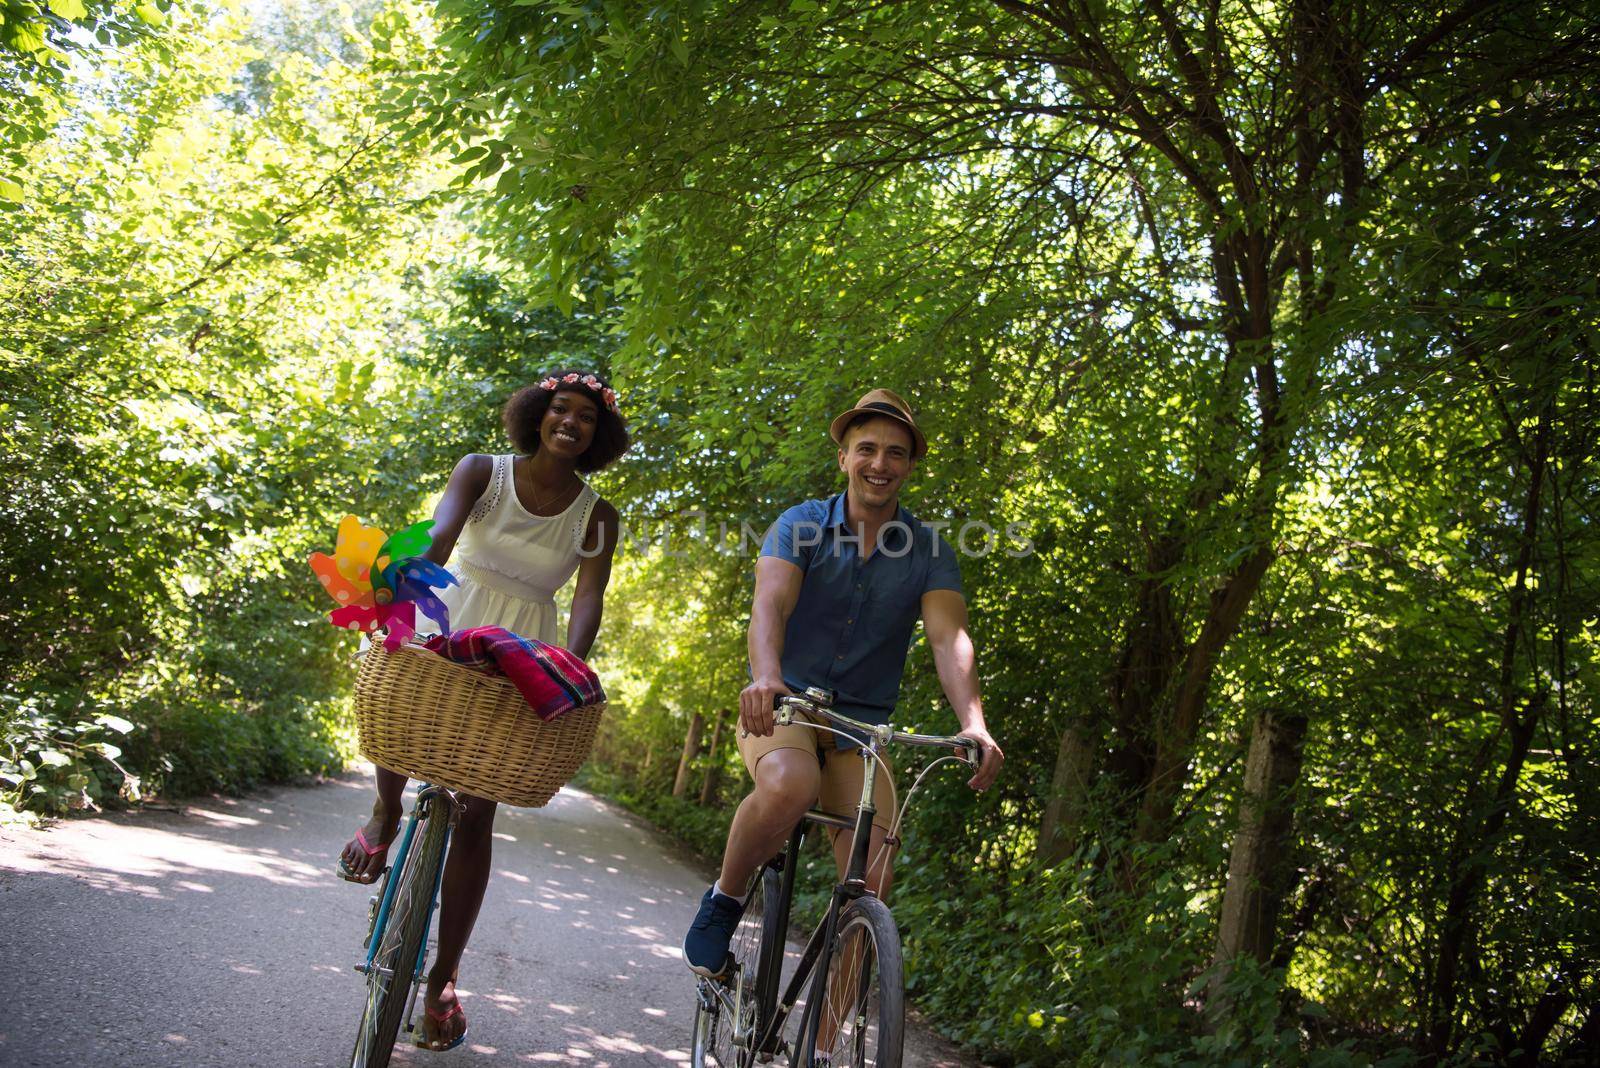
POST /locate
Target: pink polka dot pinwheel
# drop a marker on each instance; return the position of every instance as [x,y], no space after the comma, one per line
[381,580]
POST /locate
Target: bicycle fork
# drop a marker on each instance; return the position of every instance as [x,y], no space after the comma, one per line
[854,885]
[380,906]
[433,905]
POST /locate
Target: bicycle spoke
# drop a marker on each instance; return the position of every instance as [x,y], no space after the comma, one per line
[848,1022]
[862,1012]
[726,1012]
[405,932]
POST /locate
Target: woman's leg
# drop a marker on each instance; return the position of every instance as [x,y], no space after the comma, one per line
[379,831]
[466,876]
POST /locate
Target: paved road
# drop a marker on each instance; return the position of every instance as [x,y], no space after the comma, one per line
[217,935]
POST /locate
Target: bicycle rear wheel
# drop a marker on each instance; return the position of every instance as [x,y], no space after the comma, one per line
[715,1027]
[861,1022]
[395,965]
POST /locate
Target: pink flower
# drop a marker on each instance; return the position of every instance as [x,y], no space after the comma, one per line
[609,395]
[572,376]
[549,383]
[591,381]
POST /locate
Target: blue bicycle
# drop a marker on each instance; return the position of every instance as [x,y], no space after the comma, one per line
[399,917]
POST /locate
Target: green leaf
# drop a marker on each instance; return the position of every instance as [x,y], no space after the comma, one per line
[54,758]
[11,191]
[26,36]
[69,9]
[116,723]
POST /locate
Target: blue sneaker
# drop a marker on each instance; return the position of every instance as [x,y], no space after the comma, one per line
[705,947]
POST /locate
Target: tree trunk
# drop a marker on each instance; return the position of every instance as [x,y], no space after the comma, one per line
[1261,870]
[691,746]
[1585,1045]
[1144,669]
[1069,789]
[1552,1005]
[1170,768]
[708,786]
[1484,818]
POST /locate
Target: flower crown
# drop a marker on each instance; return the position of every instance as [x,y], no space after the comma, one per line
[573,378]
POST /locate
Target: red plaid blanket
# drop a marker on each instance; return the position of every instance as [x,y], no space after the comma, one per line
[552,680]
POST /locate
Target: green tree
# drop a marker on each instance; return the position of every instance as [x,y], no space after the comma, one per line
[1155,274]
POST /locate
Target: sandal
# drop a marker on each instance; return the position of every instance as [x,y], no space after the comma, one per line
[439,1018]
[370,850]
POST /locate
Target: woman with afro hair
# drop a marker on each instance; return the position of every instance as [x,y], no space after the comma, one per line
[524,523]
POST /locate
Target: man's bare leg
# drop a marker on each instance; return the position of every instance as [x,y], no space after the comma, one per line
[787,783]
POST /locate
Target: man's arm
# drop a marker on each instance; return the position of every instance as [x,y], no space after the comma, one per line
[944,617]
[777,590]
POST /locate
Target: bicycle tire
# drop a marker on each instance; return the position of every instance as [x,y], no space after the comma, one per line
[706,1019]
[864,998]
[714,1030]
[401,942]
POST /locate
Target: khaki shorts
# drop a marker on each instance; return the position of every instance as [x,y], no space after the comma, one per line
[841,770]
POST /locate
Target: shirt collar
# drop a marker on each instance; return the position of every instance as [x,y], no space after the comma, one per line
[836,518]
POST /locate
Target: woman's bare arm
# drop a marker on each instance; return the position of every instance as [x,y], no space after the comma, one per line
[588,600]
[466,485]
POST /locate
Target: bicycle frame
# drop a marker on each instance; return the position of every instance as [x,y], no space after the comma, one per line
[814,959]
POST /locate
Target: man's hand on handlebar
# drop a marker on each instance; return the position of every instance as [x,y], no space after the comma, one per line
[756,703]
[989,769]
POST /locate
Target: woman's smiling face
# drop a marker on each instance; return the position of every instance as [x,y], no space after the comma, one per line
[568,425]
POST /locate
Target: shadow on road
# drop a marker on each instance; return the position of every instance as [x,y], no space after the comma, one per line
[218,935]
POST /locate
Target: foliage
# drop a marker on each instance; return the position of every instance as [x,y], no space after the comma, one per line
[1273,328]
[1217,300]
[231,310]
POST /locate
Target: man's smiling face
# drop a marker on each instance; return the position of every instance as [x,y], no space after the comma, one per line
[876,460]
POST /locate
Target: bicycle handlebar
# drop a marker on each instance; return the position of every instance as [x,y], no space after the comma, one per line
[968,751]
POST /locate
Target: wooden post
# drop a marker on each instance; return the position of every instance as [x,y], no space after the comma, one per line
[691,746]
[708,786]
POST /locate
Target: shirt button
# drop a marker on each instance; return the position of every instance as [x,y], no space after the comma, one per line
[839,657]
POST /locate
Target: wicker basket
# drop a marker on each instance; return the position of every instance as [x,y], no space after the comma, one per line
[431,719]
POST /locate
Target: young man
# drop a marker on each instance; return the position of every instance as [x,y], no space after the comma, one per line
[840,585]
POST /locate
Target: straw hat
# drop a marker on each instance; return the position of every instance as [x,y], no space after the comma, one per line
[886,403]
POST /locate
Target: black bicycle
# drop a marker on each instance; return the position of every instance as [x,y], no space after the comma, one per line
[850,971]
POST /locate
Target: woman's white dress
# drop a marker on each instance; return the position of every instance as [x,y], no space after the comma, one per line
[510,562]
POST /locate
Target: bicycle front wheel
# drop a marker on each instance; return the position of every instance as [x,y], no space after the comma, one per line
[398,961]
[727,1009]
[861,1022]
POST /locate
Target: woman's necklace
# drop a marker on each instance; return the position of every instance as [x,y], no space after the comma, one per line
[540,503]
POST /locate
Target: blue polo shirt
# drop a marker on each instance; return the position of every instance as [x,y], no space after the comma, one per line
[851,627]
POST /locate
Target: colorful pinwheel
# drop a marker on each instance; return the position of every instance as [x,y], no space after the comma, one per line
[381,580]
